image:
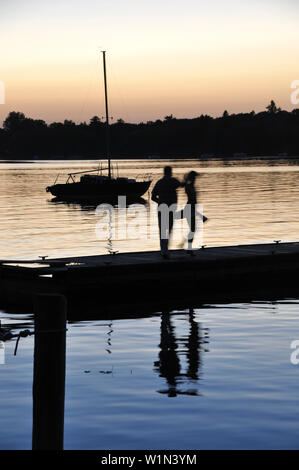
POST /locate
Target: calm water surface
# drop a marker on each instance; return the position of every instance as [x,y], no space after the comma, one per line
[248,201]
[218,376]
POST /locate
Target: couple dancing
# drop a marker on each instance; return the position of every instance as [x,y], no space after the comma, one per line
[165,195]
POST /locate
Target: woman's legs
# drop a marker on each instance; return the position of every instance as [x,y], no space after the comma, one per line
[191,219]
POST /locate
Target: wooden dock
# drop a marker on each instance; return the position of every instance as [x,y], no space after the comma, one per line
[128,278]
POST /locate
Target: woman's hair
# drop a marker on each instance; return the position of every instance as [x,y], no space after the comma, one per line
[189,177]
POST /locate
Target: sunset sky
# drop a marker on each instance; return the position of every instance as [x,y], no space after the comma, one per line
[163,57]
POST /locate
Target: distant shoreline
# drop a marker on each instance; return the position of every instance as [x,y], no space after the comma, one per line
[272,133]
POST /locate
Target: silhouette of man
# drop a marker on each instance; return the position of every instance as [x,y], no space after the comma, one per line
[165,195]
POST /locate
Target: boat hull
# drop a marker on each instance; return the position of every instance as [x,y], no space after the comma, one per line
[105,191]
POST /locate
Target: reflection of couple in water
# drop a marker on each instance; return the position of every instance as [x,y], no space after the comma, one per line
[165,195]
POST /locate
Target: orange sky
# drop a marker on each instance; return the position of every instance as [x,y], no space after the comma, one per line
[163,57]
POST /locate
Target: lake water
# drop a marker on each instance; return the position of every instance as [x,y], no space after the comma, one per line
[218,376]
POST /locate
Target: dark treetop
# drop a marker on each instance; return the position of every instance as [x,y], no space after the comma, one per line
[271,132]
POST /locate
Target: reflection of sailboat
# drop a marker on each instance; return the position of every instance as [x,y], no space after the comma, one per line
[92,205]
[93,185]
[169,364]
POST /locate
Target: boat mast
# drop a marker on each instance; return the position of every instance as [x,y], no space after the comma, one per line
[107,116]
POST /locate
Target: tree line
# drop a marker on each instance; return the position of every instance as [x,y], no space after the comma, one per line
[271,132]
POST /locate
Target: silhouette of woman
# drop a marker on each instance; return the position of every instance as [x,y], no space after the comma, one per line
[190,212]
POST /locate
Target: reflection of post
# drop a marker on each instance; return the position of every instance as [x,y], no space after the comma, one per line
[49,372]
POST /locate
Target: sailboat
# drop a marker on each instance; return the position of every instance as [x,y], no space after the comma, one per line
[93,184]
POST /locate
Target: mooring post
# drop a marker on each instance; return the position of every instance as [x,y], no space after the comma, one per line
[49,372]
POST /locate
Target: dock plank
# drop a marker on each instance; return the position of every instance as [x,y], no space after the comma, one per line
[146,274]
[153,257]
[148,257]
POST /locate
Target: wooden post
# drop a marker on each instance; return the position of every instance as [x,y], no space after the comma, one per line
[49,372]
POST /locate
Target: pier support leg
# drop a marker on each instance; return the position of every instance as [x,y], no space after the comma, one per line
[49,372]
